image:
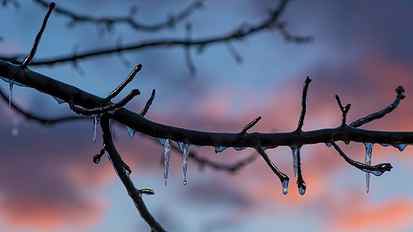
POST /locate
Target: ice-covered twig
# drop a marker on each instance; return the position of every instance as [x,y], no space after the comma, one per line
[36,42]
[122,85]
[119,166]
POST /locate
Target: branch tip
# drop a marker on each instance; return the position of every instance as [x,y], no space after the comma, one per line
[250,125]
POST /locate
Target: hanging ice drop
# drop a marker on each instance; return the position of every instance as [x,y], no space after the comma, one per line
[285,186]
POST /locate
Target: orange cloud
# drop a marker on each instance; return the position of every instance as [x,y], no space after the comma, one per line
[391,215]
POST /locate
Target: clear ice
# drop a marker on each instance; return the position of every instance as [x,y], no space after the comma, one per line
[296,152]
[10,93]
[184,148]
[367,160]
[219,149]
[131,132]
[166,157]
[95,124]
[285,186]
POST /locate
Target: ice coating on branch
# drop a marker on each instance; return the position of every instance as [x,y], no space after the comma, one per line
[58,100]
[95,124]
[10,93]
[295,152]
[375,172]
[12,82]
[184,148]
[131,132]
[166,157]
[401,147]
[285,186]
[367,160]
[219,149]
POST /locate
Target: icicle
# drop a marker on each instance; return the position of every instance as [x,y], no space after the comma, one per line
[401,147]
[367,160]
[285,186]
[10,93]
[296,152]
[95,124]
[131,132]
[184,148]
[219,149]
[166,157]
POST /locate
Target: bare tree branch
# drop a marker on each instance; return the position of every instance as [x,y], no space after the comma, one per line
[379,114]
[303,105]
[47,121]
[118,164]
[78,97]
[237,34]
[148,103]
[109,22]
[36,42]
[122,85]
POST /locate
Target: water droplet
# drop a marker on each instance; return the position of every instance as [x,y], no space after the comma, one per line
[367,160]
[285,186]
[219,149]
[301,189]
[239,148]
[184,148]
[15,131]
[384,144]
[329,144]
[131,132]
[95,124]
[166,157]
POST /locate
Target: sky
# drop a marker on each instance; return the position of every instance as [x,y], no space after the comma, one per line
[361,51]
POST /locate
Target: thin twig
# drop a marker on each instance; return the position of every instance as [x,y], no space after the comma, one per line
[303,105]
[282,176]
[250,125]
[122,85]
[148,103]
[236,34]
[400,95]
[47,121]
[118,164]
[109,22]
[344,110]
[106,108]
[36,42]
